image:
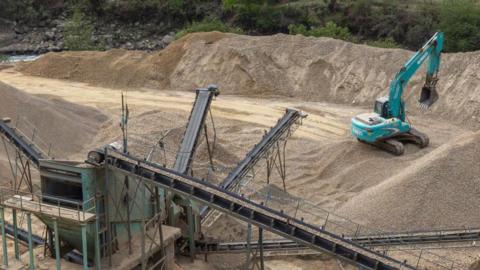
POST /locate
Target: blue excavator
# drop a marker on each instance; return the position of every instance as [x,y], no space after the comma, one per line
[387,127]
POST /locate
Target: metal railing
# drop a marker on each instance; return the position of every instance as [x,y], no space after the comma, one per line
[326,220]
[47,204]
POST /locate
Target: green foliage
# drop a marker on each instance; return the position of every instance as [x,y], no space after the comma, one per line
[330,29]
[28,11]
[3,58]
[460,20]
[208,25]
[255,16]
[383,43]
[78,32]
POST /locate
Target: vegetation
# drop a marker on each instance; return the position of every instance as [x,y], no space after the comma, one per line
[392,23]
[3,58]
[208,25]
[78,32]
[384,43]
[330,29]
[460,20]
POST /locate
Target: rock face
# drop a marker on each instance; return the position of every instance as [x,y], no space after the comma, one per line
[48,36]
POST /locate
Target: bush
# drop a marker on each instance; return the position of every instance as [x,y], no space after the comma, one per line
[383,43]
[78,32]
[208,25]
[3,58]
[330,29]
[460,21]
[255,16]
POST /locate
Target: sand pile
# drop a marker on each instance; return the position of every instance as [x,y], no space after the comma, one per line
[68,126]
[438,190]
[321,69]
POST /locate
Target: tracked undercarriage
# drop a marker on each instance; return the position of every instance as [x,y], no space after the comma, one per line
[395,144]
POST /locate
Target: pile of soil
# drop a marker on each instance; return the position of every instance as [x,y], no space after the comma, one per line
[68,127]
[318,69]
[438,190]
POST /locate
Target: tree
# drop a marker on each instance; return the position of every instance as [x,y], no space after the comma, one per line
[460,21]
[78,32]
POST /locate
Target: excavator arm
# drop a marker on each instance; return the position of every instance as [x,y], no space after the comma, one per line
[431,50]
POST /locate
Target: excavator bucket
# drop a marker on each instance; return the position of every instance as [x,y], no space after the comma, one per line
[428,96]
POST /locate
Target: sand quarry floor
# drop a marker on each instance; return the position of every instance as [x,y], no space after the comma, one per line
[432,188]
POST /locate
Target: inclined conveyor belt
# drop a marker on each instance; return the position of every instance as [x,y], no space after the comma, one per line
[194,127]
[269,139]
[388,239]
[251,212]
[19,141]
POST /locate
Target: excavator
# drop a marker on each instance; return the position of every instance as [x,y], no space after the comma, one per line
[387,127]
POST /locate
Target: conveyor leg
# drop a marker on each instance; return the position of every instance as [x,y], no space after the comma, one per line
[57,244]
[249,248]
[191,232]
[84,246]
[142,248]
[30,241]
[4,238]
[260,244]
[15,234]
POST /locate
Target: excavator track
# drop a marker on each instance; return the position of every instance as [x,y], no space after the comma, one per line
[395,145]
[391,145]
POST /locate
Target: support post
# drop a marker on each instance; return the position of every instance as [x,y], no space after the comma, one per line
[260,244]
[57,245]
[249,246]
[84,246]
[191,231]
[159,212]
[4,238]
[30,242]
[144,259]
[129,232]
[98,263]
[15,234]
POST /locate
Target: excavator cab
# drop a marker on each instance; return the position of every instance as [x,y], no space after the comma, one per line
[381,107]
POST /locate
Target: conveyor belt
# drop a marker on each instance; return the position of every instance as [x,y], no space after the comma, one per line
[251,212]
[392,239]
[19,141]
[269,139]
[291,116]
[194,127]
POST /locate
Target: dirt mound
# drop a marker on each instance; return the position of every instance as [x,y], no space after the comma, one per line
[117,68]
[436,191]
[67,126]
[321,69]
